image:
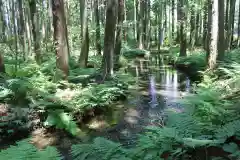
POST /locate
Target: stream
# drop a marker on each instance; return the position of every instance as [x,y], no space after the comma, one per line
[158,87]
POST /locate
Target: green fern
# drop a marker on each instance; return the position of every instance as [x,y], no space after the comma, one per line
[101,149]
[24,150]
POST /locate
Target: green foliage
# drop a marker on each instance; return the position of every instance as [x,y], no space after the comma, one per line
[209,119]
[41,90]
[24,150]
[133,53]
[196,61]
[102,149]
[61,120]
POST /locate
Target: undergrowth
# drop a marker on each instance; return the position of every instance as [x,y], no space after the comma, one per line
[38,92]
[210,120]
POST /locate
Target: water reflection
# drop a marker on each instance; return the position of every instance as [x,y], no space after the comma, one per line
[153,103]
[165,84]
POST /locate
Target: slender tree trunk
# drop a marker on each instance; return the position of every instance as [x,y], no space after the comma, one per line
[183,36]
[3,21]
[60,36]
[160,27]
[178,20]
[141,26]
[197,27]
[221,38]
[98,35]
[135,18]
[232,13]
[21,26]
[35,33]
[118,44]
[84,34]
[208,38]
[193,26]
[230,23]
[212,59]
[239,25]
[205,25]
[148,24]
[15,33]
[173,18]
[109,39]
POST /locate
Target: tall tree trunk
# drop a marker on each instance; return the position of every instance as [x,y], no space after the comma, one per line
[148,25]
[205,25]
[173,18]
[35,33]
[118,43]
[221,38]
[232,13]
[98,35]
[21,26]
[109,38]
[178,20]
[84,34]
[160,27]
[208,37]
[192,27]
[3,21]
[239,25]
[230,23]
[60,36]
[183,35]
[212,58]
[15,33]
[135,18]
[141,26]
[197,27]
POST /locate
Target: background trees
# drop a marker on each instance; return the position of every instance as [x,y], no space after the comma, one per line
[144,24]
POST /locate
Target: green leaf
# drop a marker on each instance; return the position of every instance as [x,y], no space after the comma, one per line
[231,147]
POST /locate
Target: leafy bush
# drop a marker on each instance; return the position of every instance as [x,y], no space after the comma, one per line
[132,53]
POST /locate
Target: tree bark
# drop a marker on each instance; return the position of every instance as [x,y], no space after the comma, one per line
[60,36]
[118,43]
[192,27]
[183,35]
[213,49]
[232,14]
[178,20]
[109,38]
[173,18]
[230,24]
[98,35]
[221,38]
[239,25]
[84,34]
[205,25]
[208,37]
[135,18]
[197,28]
[35,31]
[3,25]
[141,26]
[21,27]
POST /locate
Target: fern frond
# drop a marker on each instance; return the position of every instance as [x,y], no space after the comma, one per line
[24,150]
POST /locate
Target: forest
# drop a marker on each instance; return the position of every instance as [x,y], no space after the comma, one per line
[120,79]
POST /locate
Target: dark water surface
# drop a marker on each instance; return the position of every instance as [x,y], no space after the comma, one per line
[158,87]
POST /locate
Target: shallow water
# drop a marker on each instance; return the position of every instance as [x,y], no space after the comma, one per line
[158,87]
